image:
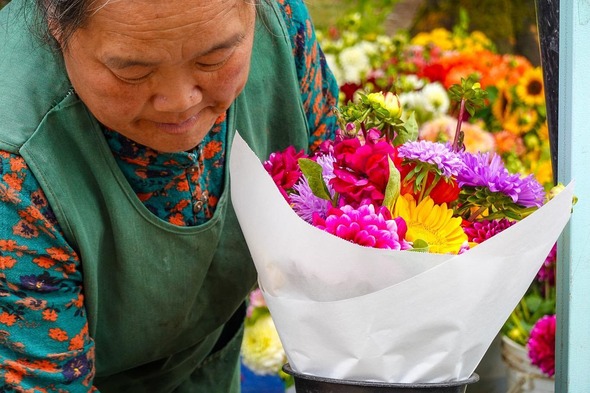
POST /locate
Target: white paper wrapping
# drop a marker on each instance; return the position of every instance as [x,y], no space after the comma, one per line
[345,311]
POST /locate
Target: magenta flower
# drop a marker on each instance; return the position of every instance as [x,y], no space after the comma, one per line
[487,170]
[547,271]
[284,169]
[365,226]
[541,344]
[361,171]
[480,231]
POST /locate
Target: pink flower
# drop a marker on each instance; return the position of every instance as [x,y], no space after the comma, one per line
[480,231]
[541,344]
[256,301]
[361,171]
[547,271]
[284,169]
[365,226]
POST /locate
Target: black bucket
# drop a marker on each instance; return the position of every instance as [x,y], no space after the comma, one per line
[311,384]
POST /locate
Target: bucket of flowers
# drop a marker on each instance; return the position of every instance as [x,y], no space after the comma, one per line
[528,340]
[379,256]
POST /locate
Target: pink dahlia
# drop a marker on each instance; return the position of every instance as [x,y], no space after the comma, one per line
[480,231]
[365,226]
[541,344]
[284,168]
[361,171]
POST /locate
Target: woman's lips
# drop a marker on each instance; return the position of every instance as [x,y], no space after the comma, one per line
[177,128]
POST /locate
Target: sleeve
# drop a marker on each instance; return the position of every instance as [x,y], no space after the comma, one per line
[44,340]
[319,89]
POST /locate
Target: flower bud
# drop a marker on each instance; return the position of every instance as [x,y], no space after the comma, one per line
[393,105]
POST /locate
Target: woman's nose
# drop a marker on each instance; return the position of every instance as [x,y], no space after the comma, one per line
[177,96]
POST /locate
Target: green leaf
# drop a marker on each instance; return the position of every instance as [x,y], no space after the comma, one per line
[420,245]
[313,173]
[393,187]
[411,130]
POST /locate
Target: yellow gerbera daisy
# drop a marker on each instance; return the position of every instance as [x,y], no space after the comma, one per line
[432,223]
[530,87]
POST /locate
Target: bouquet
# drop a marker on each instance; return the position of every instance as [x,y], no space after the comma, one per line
[380,255]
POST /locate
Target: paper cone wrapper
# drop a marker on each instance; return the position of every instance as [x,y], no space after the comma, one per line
[345,311]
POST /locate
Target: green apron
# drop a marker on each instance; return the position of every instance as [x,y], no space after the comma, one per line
[158,297]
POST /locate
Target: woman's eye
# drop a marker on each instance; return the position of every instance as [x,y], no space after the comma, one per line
[211,66]
[134,79]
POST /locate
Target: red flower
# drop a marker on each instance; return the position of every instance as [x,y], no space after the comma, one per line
[442,192]
[362,171]
[284,169]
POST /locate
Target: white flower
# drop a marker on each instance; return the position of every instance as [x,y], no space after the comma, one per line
[335,68]
[436,98]
[355,63]
[262,351]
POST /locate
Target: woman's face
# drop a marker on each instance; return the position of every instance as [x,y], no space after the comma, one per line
[161,72]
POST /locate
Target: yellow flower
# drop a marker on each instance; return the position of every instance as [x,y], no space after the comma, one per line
[520,121]
[262,351]
[530,87]
[432,223]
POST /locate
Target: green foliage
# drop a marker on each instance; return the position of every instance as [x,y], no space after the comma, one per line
[313,173]
[392,190]
[366,16]
[496,204]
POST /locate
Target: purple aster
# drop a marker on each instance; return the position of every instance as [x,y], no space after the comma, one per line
[304,202]
[488,170]
[480,231]
[439,155]
[365,226]
[541,344]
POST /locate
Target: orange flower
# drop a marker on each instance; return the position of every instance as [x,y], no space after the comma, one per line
[44,365]
[14,377]
[17,163]
[58,334]
[58,253]
[8,245]
[50,315]
[508,142]
[69,267]
[211,149]
[44,262]
[77,342]
[13,181]
[7,262]
[7,319]
[176,219]
[34,214]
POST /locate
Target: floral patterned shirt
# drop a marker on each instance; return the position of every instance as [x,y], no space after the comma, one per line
[44,341]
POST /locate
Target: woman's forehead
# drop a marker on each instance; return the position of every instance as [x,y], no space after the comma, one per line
[164,14]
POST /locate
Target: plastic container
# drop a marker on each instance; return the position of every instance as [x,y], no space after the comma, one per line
[311,384]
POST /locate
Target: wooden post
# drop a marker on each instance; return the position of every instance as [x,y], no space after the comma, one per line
[573,272]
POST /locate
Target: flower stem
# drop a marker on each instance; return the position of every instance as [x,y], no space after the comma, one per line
[459,122]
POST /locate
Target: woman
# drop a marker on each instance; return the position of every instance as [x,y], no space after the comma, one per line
[122,266]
